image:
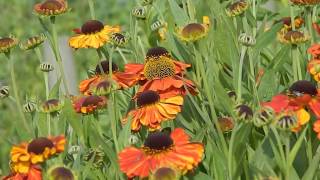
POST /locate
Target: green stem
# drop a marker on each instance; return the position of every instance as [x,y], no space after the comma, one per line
[243,53]
[15,92]
[296,66]
[310,28]
[92,12]
[122,55]
[57,54]
[292,17]
[287,152]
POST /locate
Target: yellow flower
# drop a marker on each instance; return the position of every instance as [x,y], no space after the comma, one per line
[7,43]
[93,34]
[292,37]
[237,8]
[194,31]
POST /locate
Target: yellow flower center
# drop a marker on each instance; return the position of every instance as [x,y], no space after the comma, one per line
[193,30]
[37,146]
[159,68]
[91,27]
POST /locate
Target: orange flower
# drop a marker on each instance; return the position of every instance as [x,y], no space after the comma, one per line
[89,104]
[152,110]
[302,94]
[161,149]
[93,34]
[316,128]
[25,155]
[314,50]
[34,173]
[161,73]
[51,7]
[122,80]
[314,69]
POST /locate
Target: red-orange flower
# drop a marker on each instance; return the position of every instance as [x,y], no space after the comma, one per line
[25,155]
[89,104]
[152,110]
[161,73]
[314,50]
[316,128]
[161,149]
[302,94]
[51,7]
[34,173]
[122,80]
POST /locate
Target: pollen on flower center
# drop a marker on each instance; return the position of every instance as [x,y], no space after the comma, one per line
[159,68]
[193,29]
[158,141]
[147,97]
[105,67]
[37,146]
[51,5]
[303,87]
[156,52]
[92,26]
[92,100]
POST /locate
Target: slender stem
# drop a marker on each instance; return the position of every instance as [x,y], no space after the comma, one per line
[92,12]
[122,55]
[297,72]
[310,29]
[287,152]
[110,62]
[58,55]
[292,17]
[255,16]
[15,92]
[239,93]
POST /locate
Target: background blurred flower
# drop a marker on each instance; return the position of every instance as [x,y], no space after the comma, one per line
[51,7]
[7,43]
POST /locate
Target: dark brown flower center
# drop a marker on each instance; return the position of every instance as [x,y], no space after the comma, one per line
[293,35]
[37,146]
[6,41]
[193,29]
[287,122]
[232,94]
[147,97]
[104,65]
[51,102]
[158,141]
[303,87]
[51,5]
[62,173]
[165,173]
[118,38]
[92,101]
[92,26]
[244,110]
[157,52]
[104,84]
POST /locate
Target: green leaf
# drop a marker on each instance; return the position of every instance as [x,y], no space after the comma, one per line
[297,146]
[179,15]
[313,167]
[54,93]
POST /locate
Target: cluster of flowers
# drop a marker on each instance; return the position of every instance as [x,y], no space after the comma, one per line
[162,87]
